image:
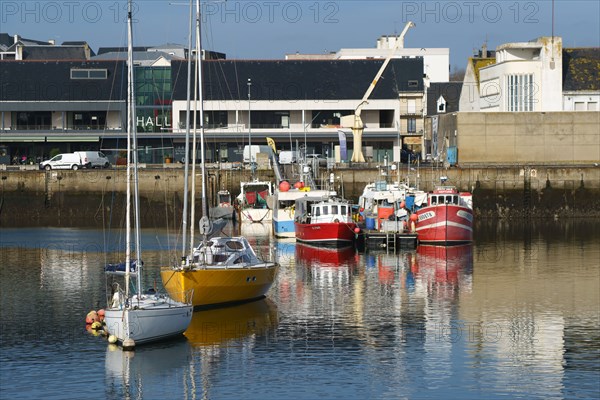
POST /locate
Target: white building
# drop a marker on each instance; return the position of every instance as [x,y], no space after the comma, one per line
[526,76]
[436,61]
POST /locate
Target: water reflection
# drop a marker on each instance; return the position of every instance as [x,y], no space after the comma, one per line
[221,325]
[515,315]
[129,374]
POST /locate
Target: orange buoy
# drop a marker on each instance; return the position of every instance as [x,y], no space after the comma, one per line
[414,217]
[402,204]
[284,186]
[357,230]
[297,185]
[101,315]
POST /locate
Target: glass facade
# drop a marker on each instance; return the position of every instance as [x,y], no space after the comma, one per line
[153,99]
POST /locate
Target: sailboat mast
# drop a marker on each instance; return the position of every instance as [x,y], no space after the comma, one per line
[194,145]
[129,131]
[186,169]
[201,109]
[134,153]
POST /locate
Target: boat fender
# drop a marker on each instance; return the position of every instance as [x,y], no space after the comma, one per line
[412,226]
[97,325]
[116,300]
[112,339]
[209,256]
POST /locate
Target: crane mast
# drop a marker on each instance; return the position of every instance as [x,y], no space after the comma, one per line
[354,122]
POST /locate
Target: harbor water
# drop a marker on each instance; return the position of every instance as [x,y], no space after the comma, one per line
[514,315]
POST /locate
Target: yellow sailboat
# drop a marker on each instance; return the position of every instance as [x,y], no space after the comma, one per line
[220,270]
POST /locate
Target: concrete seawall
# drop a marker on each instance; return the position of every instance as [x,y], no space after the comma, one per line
[95,198]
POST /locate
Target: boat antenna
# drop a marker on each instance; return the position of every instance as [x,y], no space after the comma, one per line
[250,127]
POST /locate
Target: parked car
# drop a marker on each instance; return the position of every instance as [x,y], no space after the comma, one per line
[407,156]
[320,160]
[64,161]
[93,159]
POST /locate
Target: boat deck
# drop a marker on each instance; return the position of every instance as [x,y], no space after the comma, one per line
[388,241]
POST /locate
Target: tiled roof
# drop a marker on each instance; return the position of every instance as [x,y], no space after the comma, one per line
[580,69]
[301,79]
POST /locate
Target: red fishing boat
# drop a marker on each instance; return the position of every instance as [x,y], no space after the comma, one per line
[324,222]
[447,218]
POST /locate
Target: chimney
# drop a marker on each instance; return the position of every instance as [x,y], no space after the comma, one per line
[484,53]
[51,42]
[17,38]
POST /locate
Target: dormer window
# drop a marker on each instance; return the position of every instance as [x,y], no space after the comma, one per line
[441,105]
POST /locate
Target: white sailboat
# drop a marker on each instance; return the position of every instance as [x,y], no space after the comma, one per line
[220,270]
[136,318]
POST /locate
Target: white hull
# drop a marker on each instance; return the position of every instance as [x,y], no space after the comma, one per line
[256,215]
[153,318]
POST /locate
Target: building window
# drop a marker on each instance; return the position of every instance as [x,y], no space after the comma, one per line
[411,106]
[89,73]
[520,92]
[412,125]
[328,118]
[270,119]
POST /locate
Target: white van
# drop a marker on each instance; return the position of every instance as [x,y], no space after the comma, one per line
[93,159]
[255,150]
[63,161]
[287,157]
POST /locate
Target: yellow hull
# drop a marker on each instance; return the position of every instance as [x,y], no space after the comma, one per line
[219,285]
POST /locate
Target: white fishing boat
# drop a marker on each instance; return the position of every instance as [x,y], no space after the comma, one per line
[220,270]
[131,316]
[252,201]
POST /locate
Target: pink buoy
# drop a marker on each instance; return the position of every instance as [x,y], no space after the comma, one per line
[91,317]
[356,230]
[297,185]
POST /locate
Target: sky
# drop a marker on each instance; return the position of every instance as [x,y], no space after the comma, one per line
[269,29]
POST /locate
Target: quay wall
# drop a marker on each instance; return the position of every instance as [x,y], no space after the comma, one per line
[95,198]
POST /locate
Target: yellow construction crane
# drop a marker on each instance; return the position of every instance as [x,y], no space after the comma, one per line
[354,122]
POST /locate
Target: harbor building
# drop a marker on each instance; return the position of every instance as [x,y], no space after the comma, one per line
[525,103]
